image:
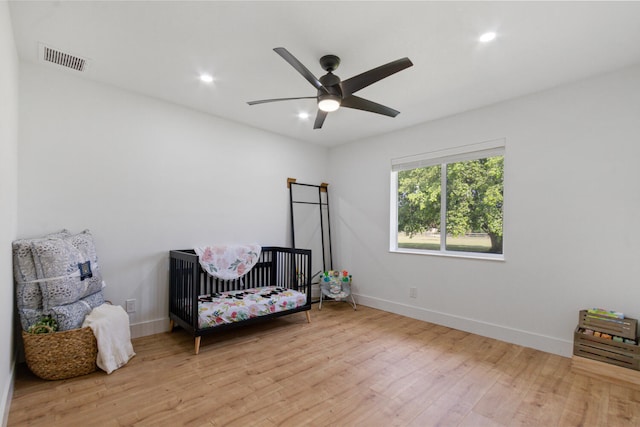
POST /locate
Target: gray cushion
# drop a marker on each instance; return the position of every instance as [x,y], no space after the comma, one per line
[69,316]
[28,295]
[57,260]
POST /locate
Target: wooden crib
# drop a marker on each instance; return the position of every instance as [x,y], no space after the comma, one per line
[201,304]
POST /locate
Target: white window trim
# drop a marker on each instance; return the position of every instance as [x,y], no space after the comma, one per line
[496,147]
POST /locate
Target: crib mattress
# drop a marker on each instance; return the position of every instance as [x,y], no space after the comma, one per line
[236,306]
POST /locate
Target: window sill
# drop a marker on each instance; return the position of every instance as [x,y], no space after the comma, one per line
[467,255]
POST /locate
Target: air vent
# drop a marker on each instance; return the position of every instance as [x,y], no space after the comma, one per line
[66,60]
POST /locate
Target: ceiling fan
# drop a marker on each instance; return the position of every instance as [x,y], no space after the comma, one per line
[333,93]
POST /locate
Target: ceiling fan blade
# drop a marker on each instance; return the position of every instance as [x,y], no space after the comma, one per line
[263,101]
[358,103]
[363,80]
[300,68]
[320,119]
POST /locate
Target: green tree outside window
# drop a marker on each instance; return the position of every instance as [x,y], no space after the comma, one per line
[473,206]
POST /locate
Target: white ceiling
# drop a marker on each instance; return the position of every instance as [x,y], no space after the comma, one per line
[159,49]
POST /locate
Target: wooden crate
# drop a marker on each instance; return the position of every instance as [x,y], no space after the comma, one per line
[625,328]
[606,350]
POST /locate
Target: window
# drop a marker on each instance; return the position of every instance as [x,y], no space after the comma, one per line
[470,209]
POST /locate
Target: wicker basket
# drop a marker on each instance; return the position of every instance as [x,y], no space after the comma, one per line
[61,355]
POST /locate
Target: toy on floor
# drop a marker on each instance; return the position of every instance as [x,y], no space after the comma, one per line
[336,285]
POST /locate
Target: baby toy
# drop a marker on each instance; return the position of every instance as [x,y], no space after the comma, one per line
[336,285]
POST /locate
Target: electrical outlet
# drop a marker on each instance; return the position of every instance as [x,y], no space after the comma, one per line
[413,292]
[131,305]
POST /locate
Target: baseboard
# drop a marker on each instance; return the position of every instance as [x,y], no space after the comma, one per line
[7,395]
[150,327]
[499,332]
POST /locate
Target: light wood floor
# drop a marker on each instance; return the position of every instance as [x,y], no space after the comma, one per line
[346,368]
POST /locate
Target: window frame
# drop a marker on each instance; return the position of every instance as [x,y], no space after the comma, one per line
[443,158]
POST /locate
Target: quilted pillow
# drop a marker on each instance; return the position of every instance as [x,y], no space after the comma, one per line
[68,268]
[28,295]
[69,316]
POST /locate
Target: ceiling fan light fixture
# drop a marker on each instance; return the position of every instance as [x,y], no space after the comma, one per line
[332,93]
[329,103]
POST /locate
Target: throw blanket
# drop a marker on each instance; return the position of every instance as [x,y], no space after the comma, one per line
[228,262]
[110,325]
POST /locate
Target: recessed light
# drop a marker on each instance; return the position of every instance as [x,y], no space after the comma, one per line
[206,78]
[303,115]
[487,37]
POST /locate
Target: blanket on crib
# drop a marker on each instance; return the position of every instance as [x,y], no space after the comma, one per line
[228,262]
[235,306]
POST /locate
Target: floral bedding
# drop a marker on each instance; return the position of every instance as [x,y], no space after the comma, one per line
[236,306]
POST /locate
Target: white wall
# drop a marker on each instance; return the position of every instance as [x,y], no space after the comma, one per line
[572,204]
[8,202]
[146,177]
